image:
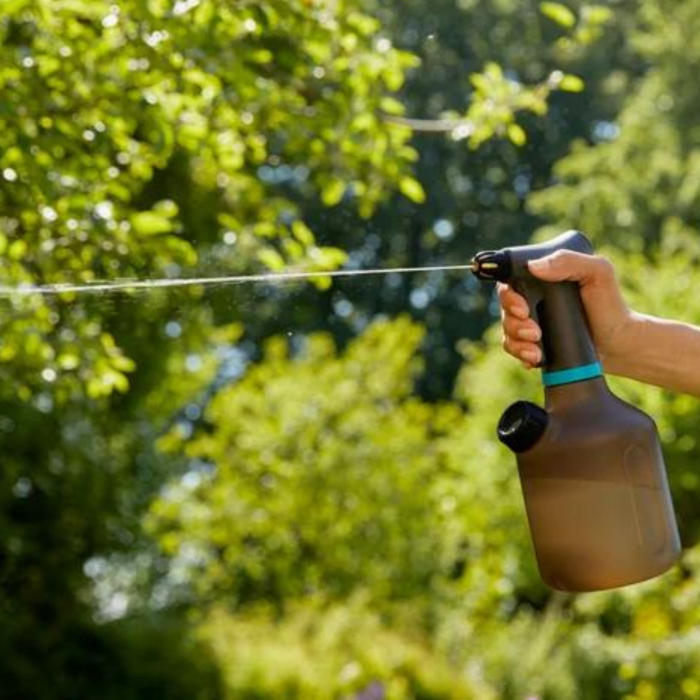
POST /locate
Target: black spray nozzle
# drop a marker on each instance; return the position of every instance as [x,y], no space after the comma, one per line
[511,263]
[492,265]
[556,306]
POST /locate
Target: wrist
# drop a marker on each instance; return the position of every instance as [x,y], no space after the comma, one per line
[619,352]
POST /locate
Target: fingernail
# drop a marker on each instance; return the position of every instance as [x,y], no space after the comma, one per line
[532,356]
[529,334]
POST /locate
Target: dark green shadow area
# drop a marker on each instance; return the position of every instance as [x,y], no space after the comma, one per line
[153,657]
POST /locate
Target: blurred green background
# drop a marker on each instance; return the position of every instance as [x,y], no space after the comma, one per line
[294,490]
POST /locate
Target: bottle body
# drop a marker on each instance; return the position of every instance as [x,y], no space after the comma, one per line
[590,464]
[596,493]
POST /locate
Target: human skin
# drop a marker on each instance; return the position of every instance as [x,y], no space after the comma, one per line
[630,344]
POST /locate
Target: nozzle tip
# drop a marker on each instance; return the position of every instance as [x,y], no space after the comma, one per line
[491,265]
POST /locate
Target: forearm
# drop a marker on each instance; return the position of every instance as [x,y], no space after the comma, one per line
[661,352]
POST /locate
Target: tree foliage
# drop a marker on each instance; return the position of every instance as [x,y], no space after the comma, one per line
[135,135]
[143,139]
[317,473]
[197,505]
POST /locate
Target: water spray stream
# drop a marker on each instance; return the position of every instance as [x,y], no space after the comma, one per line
[105,287]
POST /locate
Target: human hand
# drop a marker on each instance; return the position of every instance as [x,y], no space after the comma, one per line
[609,317]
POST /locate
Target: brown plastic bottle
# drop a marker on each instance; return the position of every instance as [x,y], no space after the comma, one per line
[590,464]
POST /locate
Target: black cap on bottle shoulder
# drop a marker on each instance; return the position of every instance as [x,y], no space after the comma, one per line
[522,425]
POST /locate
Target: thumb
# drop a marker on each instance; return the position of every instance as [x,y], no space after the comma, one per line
[568,265]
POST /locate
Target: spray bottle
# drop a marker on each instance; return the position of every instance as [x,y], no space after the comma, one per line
[591,468]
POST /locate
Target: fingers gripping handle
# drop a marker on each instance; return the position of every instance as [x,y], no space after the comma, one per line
[534,293]
[567,343]
[557,308]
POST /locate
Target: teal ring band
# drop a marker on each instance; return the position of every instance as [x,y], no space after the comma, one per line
[574,374]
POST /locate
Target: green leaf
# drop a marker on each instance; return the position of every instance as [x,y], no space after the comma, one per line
[17,250]
[166,208]
[411,188]
[558,13]
[271,259]
[517,134]
[68,361]
[571,83]
[493,70]
[149,223]
[333,192]
[302,233]
[327,257]
[597,14]
[12,6]
[480,82]
[260,56]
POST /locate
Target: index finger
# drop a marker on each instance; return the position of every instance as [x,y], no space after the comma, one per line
[511,301]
